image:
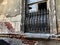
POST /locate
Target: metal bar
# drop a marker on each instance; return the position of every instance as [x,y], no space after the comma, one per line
[37,22]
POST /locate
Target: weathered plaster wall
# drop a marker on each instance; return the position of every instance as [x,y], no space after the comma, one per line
[10,11]
[52,16]
[58,13]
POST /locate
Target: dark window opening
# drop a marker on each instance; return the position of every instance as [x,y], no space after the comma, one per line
[37,21]
[42,6]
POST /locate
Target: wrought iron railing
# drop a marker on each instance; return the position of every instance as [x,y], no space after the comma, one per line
[37,22]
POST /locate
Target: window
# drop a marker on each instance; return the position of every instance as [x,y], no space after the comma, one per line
[36,17]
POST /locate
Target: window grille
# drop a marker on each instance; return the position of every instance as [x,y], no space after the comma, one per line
[37,21]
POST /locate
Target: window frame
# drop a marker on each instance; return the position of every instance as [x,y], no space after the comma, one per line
[53,29]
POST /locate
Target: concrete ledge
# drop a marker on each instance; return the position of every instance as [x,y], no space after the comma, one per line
[38,35]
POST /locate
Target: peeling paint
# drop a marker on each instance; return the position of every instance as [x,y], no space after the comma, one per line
[9,26]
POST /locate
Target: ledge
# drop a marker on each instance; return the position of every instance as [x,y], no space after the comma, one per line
[38,35]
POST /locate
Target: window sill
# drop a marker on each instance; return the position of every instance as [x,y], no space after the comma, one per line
[37,35]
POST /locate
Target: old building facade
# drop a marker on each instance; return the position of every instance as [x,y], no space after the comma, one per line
[37,20]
